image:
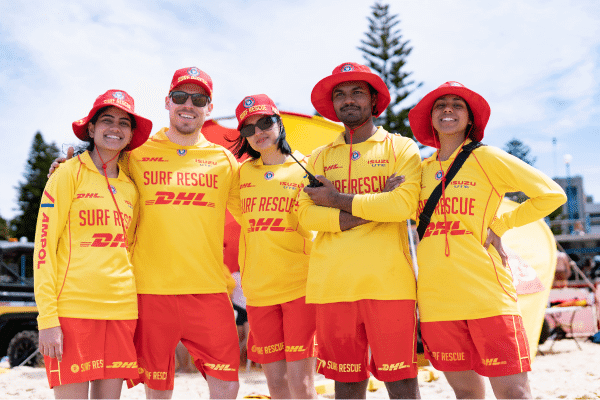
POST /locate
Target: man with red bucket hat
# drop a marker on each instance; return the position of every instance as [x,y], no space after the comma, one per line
[360,272]
[185,183]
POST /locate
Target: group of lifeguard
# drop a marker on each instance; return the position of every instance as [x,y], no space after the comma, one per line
[127,266]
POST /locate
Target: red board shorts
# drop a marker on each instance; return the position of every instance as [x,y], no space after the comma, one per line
[205,324]
[93,349]
[282,332]
[494,346]
[346,331]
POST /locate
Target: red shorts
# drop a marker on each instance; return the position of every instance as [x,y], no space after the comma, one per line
[205,324]
[93,349]
[282,332]
[494,346]
[346,331]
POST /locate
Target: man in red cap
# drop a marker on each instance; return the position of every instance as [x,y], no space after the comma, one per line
[360,272]
[185,183]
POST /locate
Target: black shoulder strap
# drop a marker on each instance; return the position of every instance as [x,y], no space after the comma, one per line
[425,216]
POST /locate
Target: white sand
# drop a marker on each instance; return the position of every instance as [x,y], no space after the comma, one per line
[565,373]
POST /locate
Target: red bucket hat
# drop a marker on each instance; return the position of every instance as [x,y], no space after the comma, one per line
[346,72]
[122,100]
[252,105]
[192,75]
[420,116]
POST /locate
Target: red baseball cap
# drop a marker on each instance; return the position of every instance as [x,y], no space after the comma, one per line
[192,75]
[122,100]
[252,105]
[420,116]
[346,72]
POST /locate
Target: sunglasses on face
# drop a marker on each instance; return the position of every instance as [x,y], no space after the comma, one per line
[264,123]
[198,99]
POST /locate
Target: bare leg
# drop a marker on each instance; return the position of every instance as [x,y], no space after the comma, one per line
[403,389]
[351,390]
[511,386]
[277,379]
[106,389]
[466,384]
[301,378]
[72,391]
[220,389]
[158,394]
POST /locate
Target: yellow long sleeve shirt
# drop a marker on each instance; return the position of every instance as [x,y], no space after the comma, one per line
[274,248]
[470,282]
[81,265]
[184,191]
[370,261]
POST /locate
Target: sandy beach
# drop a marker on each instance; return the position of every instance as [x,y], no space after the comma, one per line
[564,373]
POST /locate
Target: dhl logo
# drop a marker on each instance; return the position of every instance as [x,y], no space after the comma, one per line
[219,367]
[492,361]
[120,364]
[89,196]
[181,198]
[153,159]
[441,228]
[264,224]
[294,349]
[393,367]
[330,167]
[105,240]
[246,185]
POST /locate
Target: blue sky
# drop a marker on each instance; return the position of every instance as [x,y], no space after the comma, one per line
[537,62]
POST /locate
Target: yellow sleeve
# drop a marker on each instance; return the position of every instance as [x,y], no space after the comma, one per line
[544,194]
[234,205]
[134,219]
[401,203]
[311,216]
[51,222]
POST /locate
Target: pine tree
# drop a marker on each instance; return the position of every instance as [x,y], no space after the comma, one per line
[4,235]
[30,192]
[386,54]
[519,150]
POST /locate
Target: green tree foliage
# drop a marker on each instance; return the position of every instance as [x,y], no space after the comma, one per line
[4,235]
[386,53]
[519,150]
[41,156]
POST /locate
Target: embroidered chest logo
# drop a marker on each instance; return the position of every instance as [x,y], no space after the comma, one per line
[182,152]
[269,175]
[113,189]
[439,175]
[355,155]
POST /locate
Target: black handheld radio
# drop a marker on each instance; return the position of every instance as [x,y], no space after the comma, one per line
[313,182]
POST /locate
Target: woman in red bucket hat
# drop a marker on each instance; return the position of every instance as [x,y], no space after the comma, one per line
[84,285]
[274,252]
[470,320]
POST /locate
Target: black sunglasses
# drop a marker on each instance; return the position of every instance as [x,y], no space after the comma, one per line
[264,123]
[198,99]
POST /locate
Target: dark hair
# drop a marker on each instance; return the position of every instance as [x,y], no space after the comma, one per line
[89,142]
[241,146]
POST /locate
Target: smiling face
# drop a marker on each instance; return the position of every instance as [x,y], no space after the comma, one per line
[263,141]
[450,116]
[112,130]
[186,118]
[353,102]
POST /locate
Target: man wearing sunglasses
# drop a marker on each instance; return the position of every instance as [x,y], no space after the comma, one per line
[360,272]
[185,183]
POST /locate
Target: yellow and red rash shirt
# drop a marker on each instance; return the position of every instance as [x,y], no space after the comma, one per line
[184,191]
[370,261]
[274,248]
[471,282]
[81,265]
